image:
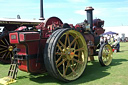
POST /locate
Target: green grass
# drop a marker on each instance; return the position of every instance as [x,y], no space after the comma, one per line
[115,74]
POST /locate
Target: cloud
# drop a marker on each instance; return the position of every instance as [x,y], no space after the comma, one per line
[96,12]
[100,11]
[122,9]
[81,12]
[117,29]
[56,5]
[64,5]
[72,20]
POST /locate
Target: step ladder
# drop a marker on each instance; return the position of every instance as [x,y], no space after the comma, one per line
[12,73]
[13,70]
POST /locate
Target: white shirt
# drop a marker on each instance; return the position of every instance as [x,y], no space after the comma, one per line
[115,43]
[118,38]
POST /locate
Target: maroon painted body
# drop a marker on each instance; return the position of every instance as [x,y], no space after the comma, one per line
[97,26]
[30,53]
[31,45]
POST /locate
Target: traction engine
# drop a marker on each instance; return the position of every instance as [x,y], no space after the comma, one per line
[60,48]
[6,26]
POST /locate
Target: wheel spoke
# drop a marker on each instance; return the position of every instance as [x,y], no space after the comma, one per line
[69,41]
[63,68]
[3,42]
[7,55]
[73,64]
[66,39]
[61,62]
[106,58]
[3,55]
[106,49]
[75,55]
[57,53]
[3,51]
[62,44]
[73,41]
[104,54]
[80,49]
[103,58]
[109,54]
[3,46]
[6,41]
[59,47]
[80,62]
[74,45]
[78,54]
[58,59]
[72,69]
[66,69]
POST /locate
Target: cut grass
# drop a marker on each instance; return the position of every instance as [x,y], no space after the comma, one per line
[95,74]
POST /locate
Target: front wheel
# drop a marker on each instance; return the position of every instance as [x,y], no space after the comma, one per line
[105,54]
[65,54]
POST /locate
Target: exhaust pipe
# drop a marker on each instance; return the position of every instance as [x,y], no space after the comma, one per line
[90,16]
[41,10]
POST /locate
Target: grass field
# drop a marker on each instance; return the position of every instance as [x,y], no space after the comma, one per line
[115,74]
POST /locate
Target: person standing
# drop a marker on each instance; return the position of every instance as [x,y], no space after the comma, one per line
[123,37]
[106,40]
[101,40]
[116,45]
[118,40]
[117,37]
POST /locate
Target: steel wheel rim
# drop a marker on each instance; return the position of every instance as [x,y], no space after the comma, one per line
[107,55]
[5,49]
[71,55]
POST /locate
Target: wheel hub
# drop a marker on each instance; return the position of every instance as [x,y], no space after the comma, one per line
[10,48]
[69,53]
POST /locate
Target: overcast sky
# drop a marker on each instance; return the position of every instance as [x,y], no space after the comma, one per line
[113,12]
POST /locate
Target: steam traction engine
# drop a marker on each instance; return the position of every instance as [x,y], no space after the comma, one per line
[8,25]
[60,48]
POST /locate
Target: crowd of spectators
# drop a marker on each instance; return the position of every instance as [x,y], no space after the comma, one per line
[114,41]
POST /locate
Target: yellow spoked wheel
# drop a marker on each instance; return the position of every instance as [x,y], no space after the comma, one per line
[66,54]
[105,55]
[5,49]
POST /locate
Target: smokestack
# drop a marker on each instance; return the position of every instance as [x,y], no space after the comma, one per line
[90,16]
[41,10]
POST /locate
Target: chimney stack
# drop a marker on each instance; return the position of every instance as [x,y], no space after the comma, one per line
[90,16]
[41,10]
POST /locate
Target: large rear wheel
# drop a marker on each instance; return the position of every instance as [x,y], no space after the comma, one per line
[5,49]
[65,54]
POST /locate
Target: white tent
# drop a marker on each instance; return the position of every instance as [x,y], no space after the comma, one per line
[120,29]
